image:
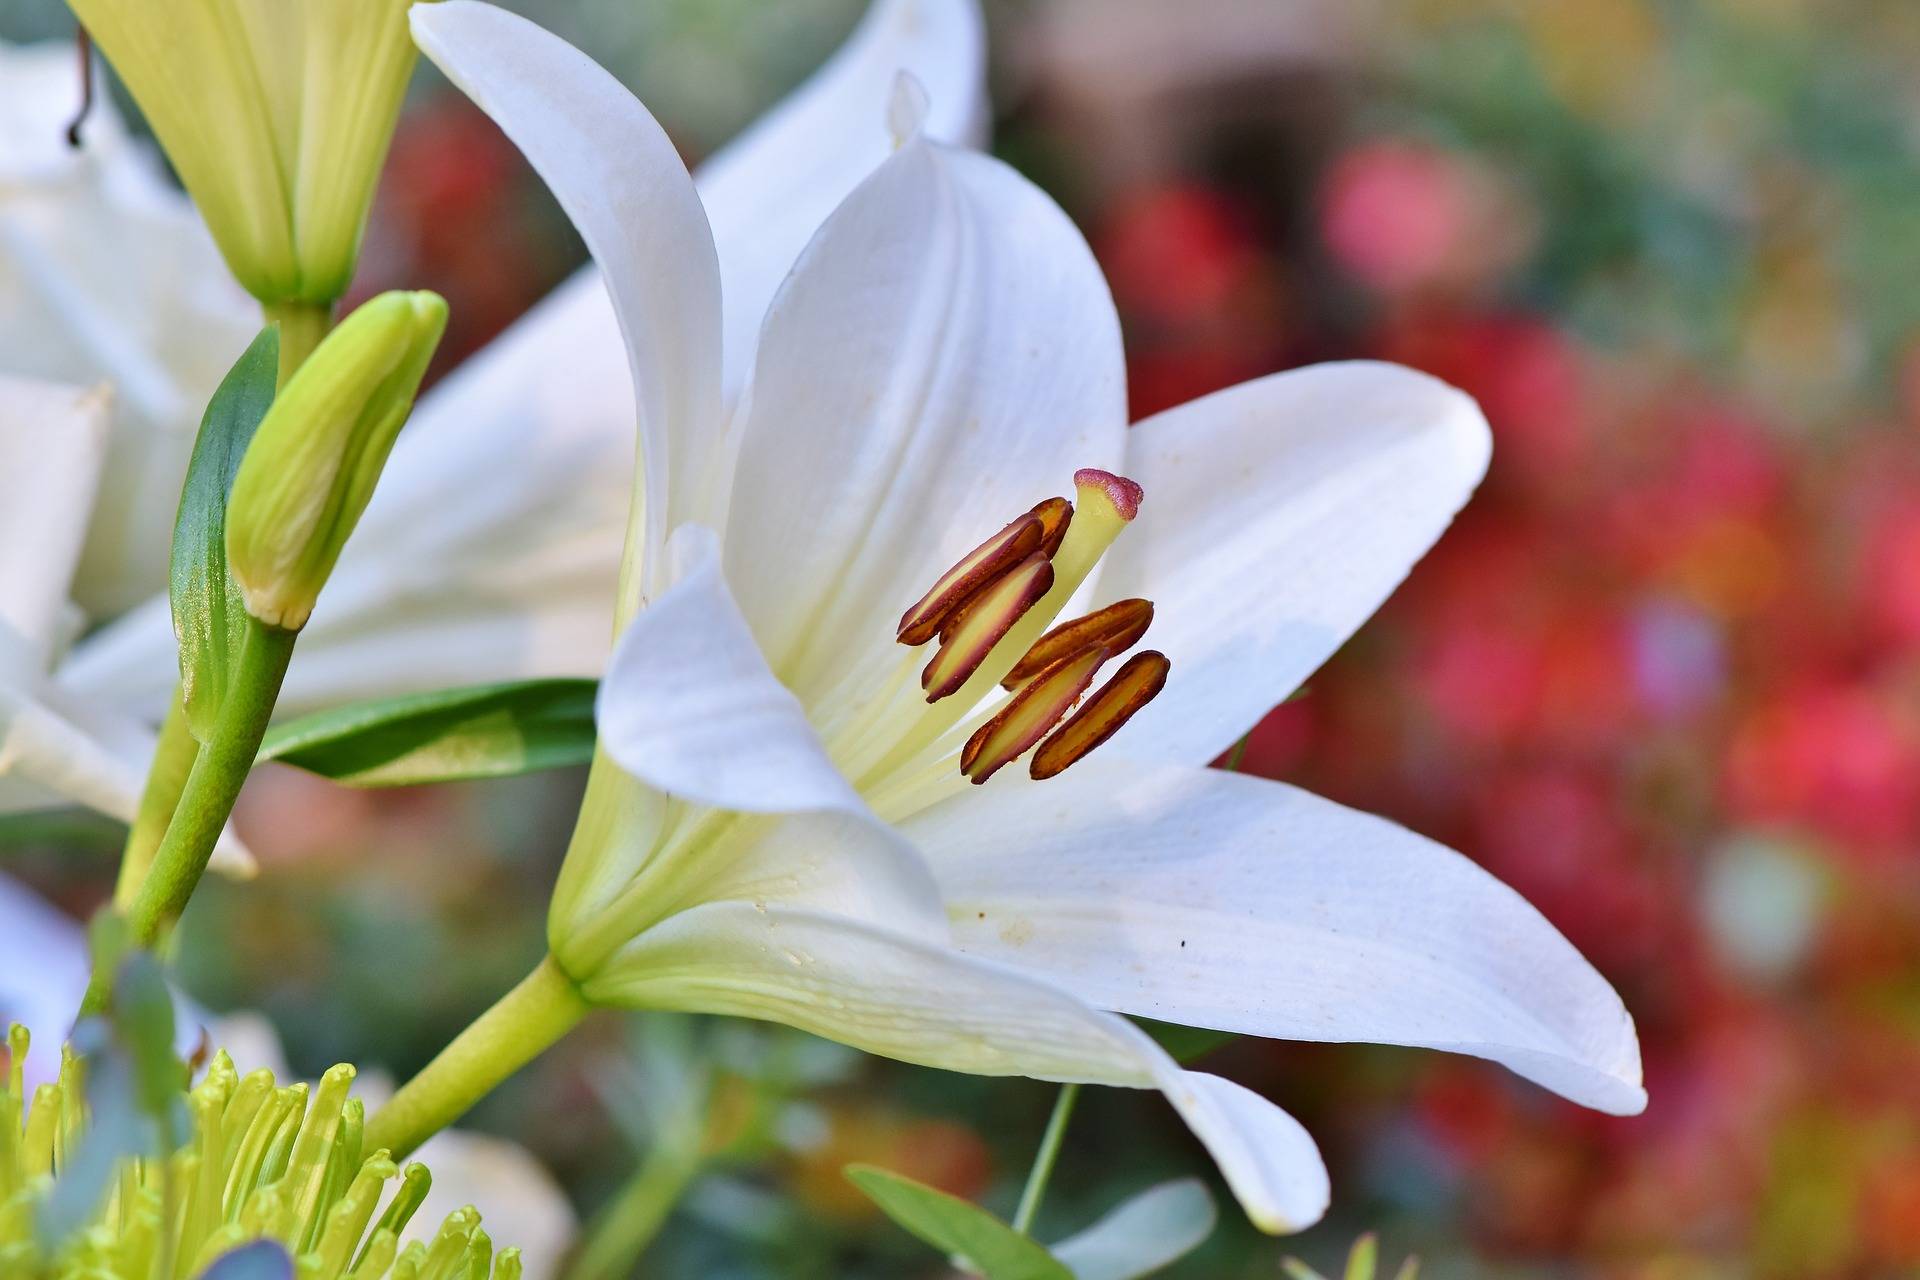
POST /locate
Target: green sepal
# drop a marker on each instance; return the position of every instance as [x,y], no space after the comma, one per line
[982,1242]
[481,731]
[209,615]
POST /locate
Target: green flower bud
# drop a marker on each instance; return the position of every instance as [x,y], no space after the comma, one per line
[277,118]
[312,464]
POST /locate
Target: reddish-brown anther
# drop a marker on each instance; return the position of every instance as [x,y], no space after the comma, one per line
[979,567]
[1055,514]
[1116,628]
[989,616]
[1029,714]
[1132,687]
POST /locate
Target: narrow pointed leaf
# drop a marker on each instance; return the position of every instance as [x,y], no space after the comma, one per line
[209,616]
[480,731]
[981,1241]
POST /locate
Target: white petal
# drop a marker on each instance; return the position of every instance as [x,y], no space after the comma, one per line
[896,995]
[44,968]
[1218,900]
[1278,515]
[689,706]
[944,355]
[769,190]
[617,175]
[58,750]
[53,439]
[520,1204]
[43,974]
[844,862]
[106,274]
[67,765]
[1152,1230]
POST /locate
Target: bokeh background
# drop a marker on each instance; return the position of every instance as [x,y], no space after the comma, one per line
[1663,676]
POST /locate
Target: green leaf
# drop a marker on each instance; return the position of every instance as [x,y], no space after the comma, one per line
[984,1243]
[1185,1045]
[261,1260]
[209,617]
[483,731]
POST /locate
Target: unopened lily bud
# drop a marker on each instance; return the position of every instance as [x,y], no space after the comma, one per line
[277,118]
[311,466]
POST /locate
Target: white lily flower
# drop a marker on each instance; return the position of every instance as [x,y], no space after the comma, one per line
[43,973]
[56,749]
[107,274]
[793,839]
[493,542]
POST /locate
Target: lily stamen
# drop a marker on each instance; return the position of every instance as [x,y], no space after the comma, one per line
[1029,714]
[990,612]
[1135,685]
[989,617]
[1117,628]
[976,571]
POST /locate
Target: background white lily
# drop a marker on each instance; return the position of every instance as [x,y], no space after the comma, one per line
[108,275]
[492,544]
[55,748]
[943,355]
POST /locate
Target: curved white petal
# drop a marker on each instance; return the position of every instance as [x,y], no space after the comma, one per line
[769,190]
[1279,514]
[60,762]
[640,856]
[107,274]
[44,968]
[466,569]
[58,750]
[1218,900]
[53,439]
[944,355]
[617,175]
[1152,1230]
[892,994]
[43,974]
[689,706]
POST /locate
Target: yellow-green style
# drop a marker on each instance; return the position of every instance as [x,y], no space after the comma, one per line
[311,468]
[277,118]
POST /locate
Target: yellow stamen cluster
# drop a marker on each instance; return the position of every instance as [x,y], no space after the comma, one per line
[263,1162]
[989,611]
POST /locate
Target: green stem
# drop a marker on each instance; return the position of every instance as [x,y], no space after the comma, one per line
[213,784]
[302,326]
[1043,1159]
[623,1229]
[173,760]
[521,1024]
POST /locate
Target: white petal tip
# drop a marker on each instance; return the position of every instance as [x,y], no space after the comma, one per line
[233,860]
[907,109]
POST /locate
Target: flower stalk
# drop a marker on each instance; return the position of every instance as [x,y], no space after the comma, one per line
[212,785]
[519,1027]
